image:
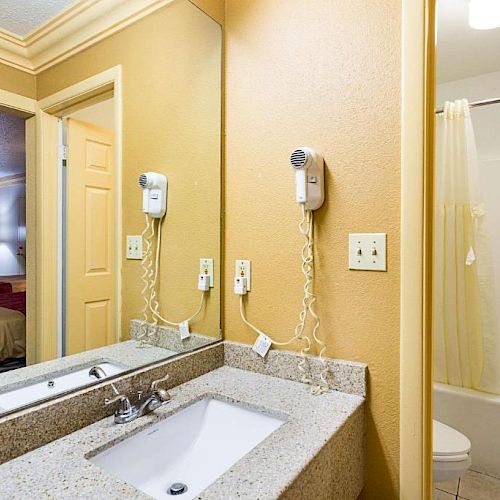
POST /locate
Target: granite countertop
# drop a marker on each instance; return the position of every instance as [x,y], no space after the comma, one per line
[60,470]
[126,354]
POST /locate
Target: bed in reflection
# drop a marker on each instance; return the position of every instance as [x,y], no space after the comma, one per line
[12,328]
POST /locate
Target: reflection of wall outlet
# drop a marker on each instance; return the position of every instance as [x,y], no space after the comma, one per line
[242,269]
[207,268]
[134,247]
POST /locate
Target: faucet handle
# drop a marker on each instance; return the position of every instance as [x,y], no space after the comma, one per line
[162,394]
[155,383]
[126,405]
[120,397]
[126,412]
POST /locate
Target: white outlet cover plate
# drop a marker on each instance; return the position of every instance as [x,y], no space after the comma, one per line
[368,251]
[134,247]
[208,264]
[242,269]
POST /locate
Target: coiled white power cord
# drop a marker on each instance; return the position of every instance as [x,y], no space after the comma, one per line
[150,278]
[309,295]
[146,266]
[306,228]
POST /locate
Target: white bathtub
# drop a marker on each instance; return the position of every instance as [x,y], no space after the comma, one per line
[477,415]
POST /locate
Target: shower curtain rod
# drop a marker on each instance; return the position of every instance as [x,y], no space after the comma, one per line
[476,104]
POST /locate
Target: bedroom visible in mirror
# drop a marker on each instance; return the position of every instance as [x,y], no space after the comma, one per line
[110,206]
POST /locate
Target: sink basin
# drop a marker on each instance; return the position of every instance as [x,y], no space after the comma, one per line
[192,448]
[53,385]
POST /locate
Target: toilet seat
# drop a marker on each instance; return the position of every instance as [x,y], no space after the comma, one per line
[448,444]
[450,455]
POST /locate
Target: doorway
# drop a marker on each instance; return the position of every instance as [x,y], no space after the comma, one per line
[12,240]
[88,222]
[466,252]
[84,102]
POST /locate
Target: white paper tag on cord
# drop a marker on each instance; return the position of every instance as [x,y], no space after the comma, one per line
[471,257]
[262,345]
[184,330]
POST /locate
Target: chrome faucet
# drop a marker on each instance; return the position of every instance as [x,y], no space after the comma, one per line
[128,412]
[97,372]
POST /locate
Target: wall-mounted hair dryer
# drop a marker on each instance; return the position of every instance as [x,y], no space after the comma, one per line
[154,195]
[309,177]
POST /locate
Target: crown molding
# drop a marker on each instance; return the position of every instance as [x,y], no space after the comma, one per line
[76,28]
[13,51]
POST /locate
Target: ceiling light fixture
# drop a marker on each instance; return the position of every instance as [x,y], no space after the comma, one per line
[484,14]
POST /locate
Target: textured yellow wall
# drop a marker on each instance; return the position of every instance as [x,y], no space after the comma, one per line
[18,82]
[171,123]
[299,72]
[323,73]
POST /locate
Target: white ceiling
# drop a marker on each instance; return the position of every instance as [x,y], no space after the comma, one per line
[12,145]
[462,51]
[23,16]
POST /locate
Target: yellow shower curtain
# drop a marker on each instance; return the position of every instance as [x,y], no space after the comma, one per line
[466,338]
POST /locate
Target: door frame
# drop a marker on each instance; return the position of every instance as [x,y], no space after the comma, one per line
[417,150]
[49,217]
[27,107]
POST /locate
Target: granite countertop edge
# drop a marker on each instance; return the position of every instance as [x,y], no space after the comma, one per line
[61,469]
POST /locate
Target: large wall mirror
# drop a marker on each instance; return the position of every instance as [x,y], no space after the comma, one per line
[100,265]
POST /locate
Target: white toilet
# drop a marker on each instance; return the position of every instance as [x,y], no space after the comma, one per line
[450,452]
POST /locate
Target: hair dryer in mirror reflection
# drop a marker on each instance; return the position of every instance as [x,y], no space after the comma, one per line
[154,194]
[154,206]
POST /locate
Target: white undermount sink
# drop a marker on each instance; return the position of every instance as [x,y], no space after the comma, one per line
[53,385]
[193,447]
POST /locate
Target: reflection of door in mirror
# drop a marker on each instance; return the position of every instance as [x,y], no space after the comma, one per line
[90,238]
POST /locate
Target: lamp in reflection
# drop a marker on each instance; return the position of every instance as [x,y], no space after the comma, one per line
[8,239]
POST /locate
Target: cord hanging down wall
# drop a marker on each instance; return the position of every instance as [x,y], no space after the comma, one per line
[310,194]
[154,206]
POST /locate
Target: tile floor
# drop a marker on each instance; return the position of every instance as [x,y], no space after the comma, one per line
[471,486]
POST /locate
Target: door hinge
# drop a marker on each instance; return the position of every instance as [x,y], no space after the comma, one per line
[65,152]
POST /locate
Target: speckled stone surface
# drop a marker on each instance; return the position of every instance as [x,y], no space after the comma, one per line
[321,441]
[29,429]
[169,338]
[344,376]
[127,354]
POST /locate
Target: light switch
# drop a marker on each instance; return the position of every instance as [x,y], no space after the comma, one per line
[367,251]
[134,247]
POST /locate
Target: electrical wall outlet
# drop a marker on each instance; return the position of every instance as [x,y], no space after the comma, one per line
[242,269]
[134,247]
[207,268]
[367,251]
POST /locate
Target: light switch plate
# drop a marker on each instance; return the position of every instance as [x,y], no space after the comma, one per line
[207,268]
[368,251]
[134,247]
